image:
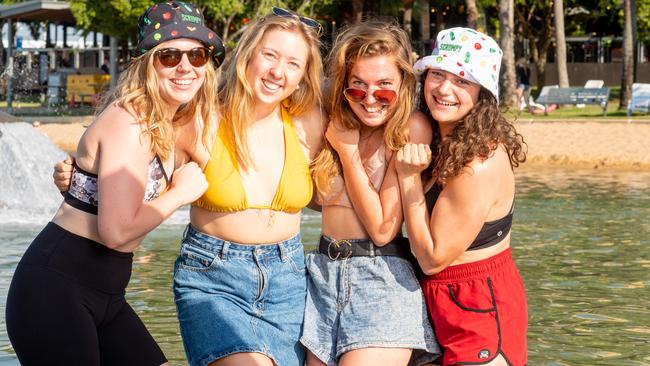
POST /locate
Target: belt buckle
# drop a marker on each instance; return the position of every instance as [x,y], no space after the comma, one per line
[340,246]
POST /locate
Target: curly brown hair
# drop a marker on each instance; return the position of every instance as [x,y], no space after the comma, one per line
[478,134]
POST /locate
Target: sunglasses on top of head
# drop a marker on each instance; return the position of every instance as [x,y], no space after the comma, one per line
[311,23]
[382,96]
[171,57]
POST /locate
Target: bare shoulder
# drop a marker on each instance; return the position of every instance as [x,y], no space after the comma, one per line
[310,127]
[116,119]
[489,172]
[419,128]
[312,122]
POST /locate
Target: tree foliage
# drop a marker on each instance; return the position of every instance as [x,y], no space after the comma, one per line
[229,18]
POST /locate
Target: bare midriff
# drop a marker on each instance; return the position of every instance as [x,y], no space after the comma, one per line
[251,226]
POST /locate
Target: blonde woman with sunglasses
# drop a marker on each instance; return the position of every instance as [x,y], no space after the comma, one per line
[240,282]
[66,303]
[364,303]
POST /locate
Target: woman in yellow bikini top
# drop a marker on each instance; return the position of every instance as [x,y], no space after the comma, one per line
[240,280]
[226,191]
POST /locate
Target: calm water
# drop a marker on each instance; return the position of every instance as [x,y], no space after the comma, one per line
[581,241]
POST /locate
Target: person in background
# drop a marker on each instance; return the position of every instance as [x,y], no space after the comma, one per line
[458,202]
[105,67]
[66,304]
[523,82]
[364,303]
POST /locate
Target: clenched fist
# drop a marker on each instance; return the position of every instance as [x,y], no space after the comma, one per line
[412,159]
[189,182]
[342,139]
[63,173]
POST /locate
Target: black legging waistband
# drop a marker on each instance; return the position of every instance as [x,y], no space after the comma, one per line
[83,260]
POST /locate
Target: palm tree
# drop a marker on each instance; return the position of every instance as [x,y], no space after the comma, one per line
[357,10]
[629,36]
[506,40]
[407,20]
[472,14]
[425,26]
[560,44]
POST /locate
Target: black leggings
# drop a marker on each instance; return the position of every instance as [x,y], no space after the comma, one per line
[66,305]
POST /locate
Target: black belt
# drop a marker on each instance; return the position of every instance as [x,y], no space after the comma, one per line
[346,248]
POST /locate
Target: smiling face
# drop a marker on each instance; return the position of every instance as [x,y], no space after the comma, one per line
[277,65]
[179,84]
[449,97]
[372,73]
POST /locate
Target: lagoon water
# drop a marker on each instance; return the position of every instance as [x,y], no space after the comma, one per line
[581,241]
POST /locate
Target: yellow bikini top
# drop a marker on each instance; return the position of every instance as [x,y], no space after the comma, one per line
[225,189]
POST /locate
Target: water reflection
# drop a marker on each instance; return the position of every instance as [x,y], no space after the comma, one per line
[581,242]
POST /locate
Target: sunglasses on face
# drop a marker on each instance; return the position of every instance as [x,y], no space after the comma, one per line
[171,57]
[382,96]
[311,23]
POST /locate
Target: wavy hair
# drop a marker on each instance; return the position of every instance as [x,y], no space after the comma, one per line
[236,94]
[138,91]
[366,39]
[478,134]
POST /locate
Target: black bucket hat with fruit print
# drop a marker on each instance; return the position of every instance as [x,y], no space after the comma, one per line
[176,19]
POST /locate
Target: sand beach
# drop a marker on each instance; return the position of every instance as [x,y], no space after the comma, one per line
[611,143]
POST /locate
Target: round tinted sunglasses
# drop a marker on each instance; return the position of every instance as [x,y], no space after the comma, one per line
[171,57]
[311,23]
[382,96]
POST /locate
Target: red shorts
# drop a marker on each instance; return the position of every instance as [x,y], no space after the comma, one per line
[479,311]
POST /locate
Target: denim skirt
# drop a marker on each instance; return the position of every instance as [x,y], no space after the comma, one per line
[233,298]
[365,302]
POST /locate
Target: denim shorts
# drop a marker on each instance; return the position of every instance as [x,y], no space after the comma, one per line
[365,302]
[234,298]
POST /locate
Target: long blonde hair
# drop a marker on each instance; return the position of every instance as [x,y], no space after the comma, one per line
[236,94]
[138,91]
[366,39]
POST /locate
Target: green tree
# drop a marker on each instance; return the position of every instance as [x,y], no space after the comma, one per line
[117,18]
[229,18]
[534,22]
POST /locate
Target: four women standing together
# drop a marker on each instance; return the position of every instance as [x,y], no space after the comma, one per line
[240,283]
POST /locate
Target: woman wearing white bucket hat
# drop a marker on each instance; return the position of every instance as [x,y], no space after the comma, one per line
[458,201]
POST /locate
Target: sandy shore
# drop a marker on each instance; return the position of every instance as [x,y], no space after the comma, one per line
[610,144]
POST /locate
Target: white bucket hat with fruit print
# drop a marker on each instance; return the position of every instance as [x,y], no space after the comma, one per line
[465,52]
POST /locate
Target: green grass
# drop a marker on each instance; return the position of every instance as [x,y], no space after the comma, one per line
[594,112]
[19,104]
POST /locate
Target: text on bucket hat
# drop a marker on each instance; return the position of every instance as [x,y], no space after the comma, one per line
[172,20]
[467,53]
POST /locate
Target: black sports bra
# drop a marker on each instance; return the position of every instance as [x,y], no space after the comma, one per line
[83,192]
[491,233]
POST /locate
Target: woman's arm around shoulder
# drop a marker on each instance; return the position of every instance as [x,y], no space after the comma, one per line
[124,157]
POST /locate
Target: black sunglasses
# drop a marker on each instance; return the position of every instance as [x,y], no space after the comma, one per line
[171,57]
[311,23]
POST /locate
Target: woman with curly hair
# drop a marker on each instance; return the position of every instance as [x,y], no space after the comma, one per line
[458,213]
[364,303]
